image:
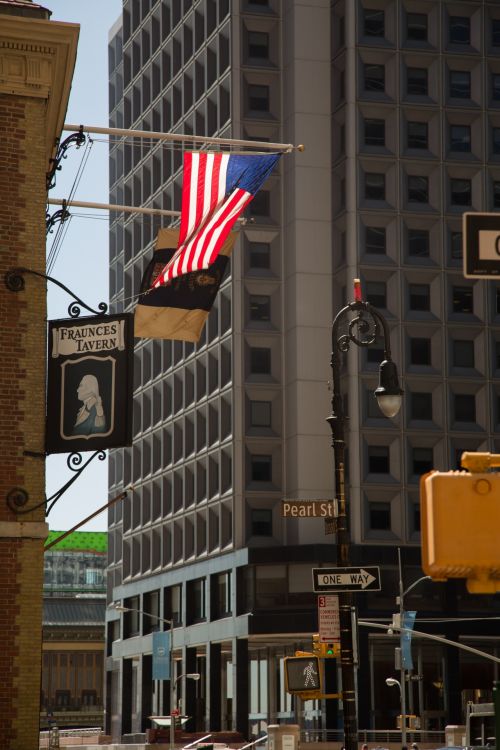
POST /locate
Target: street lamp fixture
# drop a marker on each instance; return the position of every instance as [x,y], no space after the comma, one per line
[367,325]
[392,682]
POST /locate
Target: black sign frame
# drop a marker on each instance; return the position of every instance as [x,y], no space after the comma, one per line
[475,267]
[89,383]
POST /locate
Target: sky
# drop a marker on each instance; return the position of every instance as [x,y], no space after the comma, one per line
[82,260]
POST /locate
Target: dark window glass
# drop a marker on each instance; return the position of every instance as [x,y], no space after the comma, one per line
[258,98]
[460,84]
[374,354]
[342,85]
[422,460]
[258,44]
[456,245]
[418,243]
[464,407]
[416,517]
[260,413]
[460,192]
[463,353]
[374,77]
[374,132]
[380,516]
[416,27]
[341,22]
[261,468]
[497,355]
[496,194]
[262,522]
[497,297]
[495,80]
[375,186]
[376,293]
[260,361]
[375,238]
[416,81]
[418,189]
[495,139]
[260,205]
[421,406]
[259,254]
[260,307]
[420,351]
[460,138]
[462,301]
[495,32]
[373,22]
[459,28]
[419,297]
[417,135]
[378,459]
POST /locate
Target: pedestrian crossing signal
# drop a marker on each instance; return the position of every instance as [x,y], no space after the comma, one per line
[303,674]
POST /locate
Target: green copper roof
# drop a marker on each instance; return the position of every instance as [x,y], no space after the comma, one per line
[90,541]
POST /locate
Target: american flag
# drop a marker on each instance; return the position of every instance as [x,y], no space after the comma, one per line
[216,188]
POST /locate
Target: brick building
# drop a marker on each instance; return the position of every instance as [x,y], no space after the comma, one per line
[36,63]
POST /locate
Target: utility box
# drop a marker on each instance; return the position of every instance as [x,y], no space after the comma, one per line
[454,735]
[283,736]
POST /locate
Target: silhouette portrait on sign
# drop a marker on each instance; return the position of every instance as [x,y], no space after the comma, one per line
[90,419]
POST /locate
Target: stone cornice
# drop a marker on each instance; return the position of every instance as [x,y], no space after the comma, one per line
[37,59]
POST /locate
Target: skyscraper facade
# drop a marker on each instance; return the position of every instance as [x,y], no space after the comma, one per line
[396,102]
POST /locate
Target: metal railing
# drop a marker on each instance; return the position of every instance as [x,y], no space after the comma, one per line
[377,737]
[77,736]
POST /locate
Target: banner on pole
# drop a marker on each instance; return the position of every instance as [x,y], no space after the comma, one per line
[161,655]
[408,622]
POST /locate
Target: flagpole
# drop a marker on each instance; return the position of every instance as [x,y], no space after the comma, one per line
[127,133]
[113,207]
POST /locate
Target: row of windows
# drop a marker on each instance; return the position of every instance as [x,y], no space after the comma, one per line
[418,242]
[421,459]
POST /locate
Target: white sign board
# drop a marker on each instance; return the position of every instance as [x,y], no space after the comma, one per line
[481,245]
[328,618]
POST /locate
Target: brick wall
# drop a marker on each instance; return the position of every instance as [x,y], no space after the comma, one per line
[22,415]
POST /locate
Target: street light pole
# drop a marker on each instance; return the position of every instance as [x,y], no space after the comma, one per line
[362,330]
[391,682]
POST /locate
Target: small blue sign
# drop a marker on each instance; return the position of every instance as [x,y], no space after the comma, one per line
[161,655]
[408,622]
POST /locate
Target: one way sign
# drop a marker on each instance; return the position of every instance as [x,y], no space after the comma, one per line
[346,579]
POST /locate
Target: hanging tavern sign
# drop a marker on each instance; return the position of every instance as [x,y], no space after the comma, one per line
[89,383]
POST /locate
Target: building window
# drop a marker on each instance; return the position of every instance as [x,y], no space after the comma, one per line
[221,594]
[495,140]
[456,245]
[375,186]
[422,460]
[418,189]
[459,29]
[417,135]
[464,407]
[260,205]
[416,517]
[196,600]
[495,32]
[462,300]
[463,353]
[374,132]
[416,27]
[376,293]
[416,81]
[260,413]
[460,192]
[375,238]
[373,22]
[418,243]
[421,406]
[419,297]
[495,80]
[460,83]
[496,194]
[497,297]
[258,98]
[497,355]
[260,307]
[460,138]
[261,468]
[379,516]
[374,77]
[258,45]
[260,360]
[378,459]
[259,254]
[420,351]
[262,522]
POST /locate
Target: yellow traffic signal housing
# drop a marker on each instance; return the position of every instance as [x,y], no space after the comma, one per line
[460,522]
[325,650]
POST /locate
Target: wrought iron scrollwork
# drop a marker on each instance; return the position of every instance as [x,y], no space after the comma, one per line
[361,331]
[18,497]
[61,215]
[78,139]
[14,281]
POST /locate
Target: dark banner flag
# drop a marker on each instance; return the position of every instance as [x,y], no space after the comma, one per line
[89,383]
[178,310]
